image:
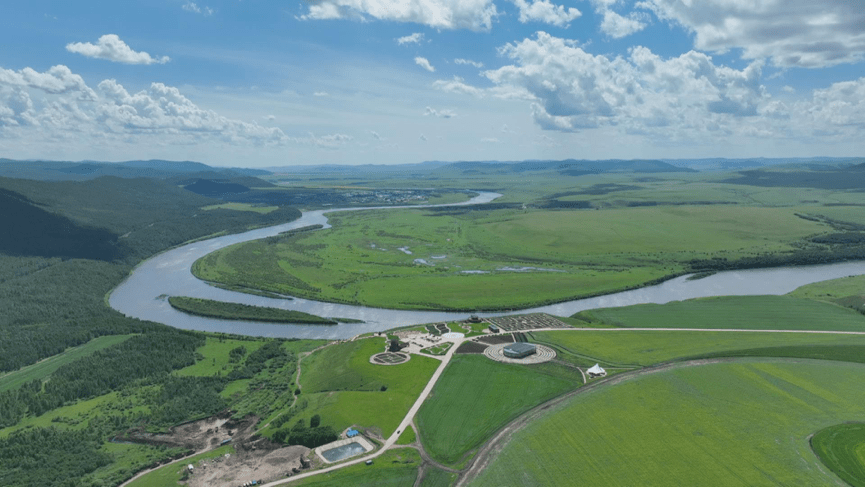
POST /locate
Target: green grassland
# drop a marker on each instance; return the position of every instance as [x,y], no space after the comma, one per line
[581,253]
[832,290]
[44,368]
[642,348]
[215,358]
[476,396]
[171,474]
[735,312]
[725,424]
[235,311]
[344,388]
[842,449]
[395,468]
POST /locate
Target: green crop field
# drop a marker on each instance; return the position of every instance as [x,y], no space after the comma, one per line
[171,474]
[641,348]
[242,207]
[44,368]
[436,477]
[396,468]
[340,385]
[842,449]
[465,260]
[723,424]
[476,396]
[735,312]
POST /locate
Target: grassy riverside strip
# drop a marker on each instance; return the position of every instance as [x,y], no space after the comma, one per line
[235,311]
[842,449]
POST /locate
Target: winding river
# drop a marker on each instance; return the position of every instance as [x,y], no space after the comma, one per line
[143,294]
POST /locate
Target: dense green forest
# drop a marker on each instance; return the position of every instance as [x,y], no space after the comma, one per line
[65,245]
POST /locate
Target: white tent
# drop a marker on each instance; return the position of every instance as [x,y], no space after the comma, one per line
[597,371]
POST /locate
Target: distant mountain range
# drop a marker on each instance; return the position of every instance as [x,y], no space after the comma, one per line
[185,172]
[84,170]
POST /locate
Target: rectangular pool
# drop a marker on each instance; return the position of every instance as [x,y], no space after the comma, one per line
[342,452]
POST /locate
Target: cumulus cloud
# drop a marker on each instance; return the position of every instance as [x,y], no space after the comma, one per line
[424,63]
[572,90]
[57,80]
[460,61]
[410,39]
[439,113]
[321,93]
[490,140]
[547,12]
[475,15]
[194,8]
[163,109]
[618,26]
[799,33]
[375,135]
[110,47]
[423,138]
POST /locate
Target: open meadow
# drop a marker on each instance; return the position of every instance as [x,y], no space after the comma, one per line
[473,260]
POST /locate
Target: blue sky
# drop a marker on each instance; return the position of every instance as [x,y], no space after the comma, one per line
[265,83]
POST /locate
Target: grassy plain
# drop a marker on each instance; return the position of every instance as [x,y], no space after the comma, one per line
[842,449]
[44,368]
[832,290]
[381,258]
[344,388]
[642,348]
[725,424]
[476,396]
[395,468]
[735,312]
[236,311]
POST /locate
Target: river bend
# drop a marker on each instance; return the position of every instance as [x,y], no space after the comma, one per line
[143,294]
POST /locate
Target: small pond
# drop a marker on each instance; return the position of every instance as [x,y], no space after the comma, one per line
[342,452]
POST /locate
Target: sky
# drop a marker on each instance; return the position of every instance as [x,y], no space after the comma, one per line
[257,83]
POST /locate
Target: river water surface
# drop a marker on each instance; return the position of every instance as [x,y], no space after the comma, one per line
[142,294]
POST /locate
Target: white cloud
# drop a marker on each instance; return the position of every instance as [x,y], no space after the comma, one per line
[475,15]
[439,113]
[801,33]
[424,63]
[194,8]
[490,140]
[547,12]
[572,90]
[110,47]
[469,62]
[410,39]
[375,135]
[617,26]
[57,80]
[423,138]
[321,93]
[457,85]
[163,109]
